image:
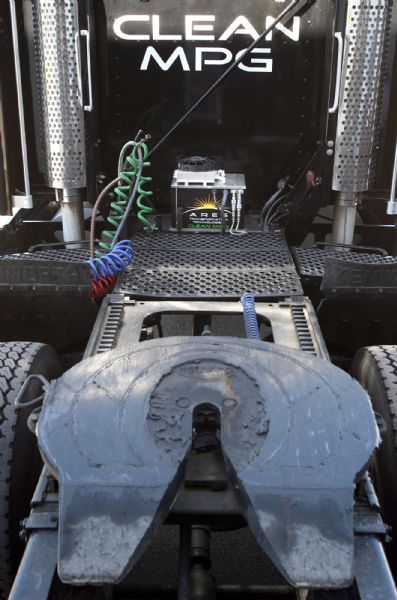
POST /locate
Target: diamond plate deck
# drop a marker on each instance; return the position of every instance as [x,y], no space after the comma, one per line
[310,262]
[198,265]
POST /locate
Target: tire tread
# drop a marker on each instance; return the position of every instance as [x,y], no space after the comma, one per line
[385,362]
[16,359]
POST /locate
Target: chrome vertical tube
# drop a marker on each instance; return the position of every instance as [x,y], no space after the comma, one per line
[28,201]
[344,218]
[392,204]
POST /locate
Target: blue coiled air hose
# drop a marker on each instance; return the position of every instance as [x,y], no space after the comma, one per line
[250,319]
[112,263]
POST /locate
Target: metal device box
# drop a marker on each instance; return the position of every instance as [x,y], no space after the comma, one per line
[197,207]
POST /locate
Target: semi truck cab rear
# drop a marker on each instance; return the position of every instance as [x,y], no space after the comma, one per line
[198,278]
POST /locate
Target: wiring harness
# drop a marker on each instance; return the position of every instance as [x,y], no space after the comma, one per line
[237,206]
[271,208]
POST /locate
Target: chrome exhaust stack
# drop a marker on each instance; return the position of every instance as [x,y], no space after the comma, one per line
[58,74]
[360,104]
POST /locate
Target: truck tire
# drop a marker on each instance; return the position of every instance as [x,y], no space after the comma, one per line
[20,461]
[375,368]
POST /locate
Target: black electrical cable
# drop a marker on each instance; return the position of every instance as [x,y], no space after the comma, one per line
[95,209]
[267,206]
[285,13]
[280,191]
[131,198]
[273,210]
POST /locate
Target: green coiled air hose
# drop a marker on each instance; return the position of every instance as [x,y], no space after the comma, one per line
[137,161]
[144,209]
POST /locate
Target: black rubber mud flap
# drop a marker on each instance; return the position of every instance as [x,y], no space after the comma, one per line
[375,368]
[20,461]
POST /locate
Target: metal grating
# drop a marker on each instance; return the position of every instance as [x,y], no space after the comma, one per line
[58,255]
[366,40]
[199,265]
[311,261]
[55,27]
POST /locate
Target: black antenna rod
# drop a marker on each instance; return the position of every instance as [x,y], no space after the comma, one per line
[285,13]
